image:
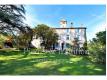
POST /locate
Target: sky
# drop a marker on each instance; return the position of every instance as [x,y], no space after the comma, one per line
[91,16]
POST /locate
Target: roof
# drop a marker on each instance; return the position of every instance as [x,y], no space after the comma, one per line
[72,28]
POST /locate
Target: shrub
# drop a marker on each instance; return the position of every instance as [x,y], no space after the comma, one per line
[97,48]
[97,53]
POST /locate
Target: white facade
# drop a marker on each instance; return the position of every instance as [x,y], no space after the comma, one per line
[66,36]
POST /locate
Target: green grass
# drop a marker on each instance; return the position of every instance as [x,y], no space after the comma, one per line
[16,63]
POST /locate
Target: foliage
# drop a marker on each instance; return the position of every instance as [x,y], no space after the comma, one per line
[47,35]
[101,37]
[3,38]
[97,48]
[85,45]
[11,19]
[11,22]
[24,39]
[11,16]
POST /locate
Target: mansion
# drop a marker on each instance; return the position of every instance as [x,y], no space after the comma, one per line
[68,36]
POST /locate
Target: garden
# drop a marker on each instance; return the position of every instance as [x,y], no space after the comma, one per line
[19,57]
[17,63]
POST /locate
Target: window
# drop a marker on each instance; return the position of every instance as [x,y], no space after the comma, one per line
[67,30]
[67,37]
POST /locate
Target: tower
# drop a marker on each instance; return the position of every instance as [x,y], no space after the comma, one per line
[63,23]
[62,35]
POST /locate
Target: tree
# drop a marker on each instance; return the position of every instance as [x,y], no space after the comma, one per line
[101,37]
[24,39]
[47,35]
[11,21]
[97,47]
[8,13]
[51,38]
[11,16]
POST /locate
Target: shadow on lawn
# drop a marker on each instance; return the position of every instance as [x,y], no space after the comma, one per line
[68,68]
[51,64]
[10,53]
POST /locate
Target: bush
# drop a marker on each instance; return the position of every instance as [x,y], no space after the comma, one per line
[69,50]
[85,45]
[97,48]
[97,52]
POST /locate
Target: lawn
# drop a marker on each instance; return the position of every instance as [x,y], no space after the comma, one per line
[16,63]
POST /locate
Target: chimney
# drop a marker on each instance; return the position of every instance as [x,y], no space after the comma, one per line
[71,24]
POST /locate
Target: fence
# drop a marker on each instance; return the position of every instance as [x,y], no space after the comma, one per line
[80,52]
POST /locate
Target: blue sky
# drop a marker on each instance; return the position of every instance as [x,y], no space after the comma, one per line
[91,16]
